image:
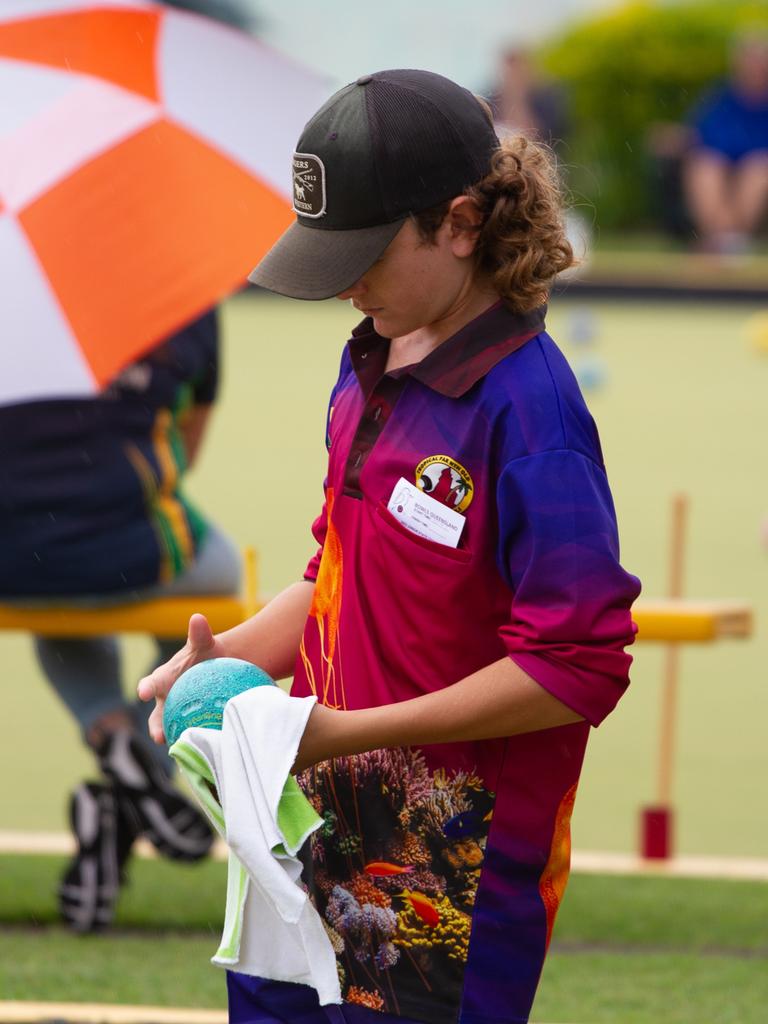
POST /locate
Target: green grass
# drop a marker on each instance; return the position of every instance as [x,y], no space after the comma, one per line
[686,914]
[651,988]
[636,950]
[682,914]
[137,969]
[167,928]
[626,949]
[159,894]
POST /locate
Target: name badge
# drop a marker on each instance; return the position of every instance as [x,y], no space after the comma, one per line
[424,515]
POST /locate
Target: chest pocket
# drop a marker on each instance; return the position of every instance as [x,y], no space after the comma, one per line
[430,552]
[434,603]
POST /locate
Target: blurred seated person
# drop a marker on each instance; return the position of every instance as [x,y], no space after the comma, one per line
[92,513]
[524,103]
[725,172]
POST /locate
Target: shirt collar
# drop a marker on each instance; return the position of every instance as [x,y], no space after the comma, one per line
[459,362]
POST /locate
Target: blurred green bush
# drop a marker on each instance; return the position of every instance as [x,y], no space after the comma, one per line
[637,65]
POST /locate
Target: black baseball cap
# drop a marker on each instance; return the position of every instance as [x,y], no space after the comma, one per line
[388,145]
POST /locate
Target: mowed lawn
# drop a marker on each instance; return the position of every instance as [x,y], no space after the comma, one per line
[682,407]
[625,950]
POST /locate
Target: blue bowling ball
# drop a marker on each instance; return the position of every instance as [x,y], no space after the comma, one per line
[198,696]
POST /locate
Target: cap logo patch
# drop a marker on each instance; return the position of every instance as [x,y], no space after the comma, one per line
[308,185]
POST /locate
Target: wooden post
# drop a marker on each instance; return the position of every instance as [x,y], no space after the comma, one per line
[658,821]
[251,590]
[669,693]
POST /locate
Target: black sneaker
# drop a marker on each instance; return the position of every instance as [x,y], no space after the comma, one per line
[90,886]
[148,799]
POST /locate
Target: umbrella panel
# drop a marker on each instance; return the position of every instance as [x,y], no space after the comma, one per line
[145,172]
[113,44]
[87,232]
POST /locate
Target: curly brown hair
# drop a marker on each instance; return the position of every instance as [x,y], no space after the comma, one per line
[521,243]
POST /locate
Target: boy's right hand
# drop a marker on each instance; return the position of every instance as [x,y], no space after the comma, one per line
[200,646]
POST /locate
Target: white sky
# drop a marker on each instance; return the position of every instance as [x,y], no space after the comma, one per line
[457,38]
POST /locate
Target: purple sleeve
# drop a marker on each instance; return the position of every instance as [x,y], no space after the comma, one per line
[558,550]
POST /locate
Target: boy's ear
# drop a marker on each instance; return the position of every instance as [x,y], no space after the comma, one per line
[465,219]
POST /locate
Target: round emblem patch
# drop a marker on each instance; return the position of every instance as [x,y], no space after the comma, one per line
[443,478]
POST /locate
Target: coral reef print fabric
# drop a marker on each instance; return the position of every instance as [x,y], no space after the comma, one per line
[395,871]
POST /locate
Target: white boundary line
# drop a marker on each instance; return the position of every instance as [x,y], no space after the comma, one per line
[64,843]
[592,862]
[102,1013]
[732,868]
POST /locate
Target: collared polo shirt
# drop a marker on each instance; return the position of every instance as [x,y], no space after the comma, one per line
[440,870]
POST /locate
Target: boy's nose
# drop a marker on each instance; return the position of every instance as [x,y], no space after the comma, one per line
[354,289]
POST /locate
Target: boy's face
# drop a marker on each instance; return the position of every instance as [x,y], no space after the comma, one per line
[415,283]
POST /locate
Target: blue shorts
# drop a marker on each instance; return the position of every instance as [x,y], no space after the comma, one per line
[257,1001]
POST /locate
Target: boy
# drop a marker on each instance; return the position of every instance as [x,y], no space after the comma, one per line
[464,619]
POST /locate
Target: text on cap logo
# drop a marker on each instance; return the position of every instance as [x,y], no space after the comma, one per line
[308,185]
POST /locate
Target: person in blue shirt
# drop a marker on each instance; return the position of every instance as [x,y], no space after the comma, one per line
[92,512]
[726,168]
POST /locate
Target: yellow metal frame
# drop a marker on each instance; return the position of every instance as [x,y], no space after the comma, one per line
[165,617]
[670,621]
[680,621]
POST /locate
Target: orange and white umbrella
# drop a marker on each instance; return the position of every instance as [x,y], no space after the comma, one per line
[144,170]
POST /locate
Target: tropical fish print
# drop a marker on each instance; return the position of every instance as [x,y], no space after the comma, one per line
[424,907]
[394,871]
[383,869]
[468,823]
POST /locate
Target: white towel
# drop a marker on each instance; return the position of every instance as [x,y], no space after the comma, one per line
[271,927]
